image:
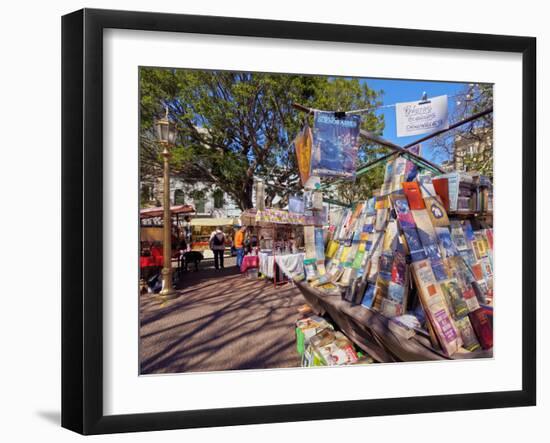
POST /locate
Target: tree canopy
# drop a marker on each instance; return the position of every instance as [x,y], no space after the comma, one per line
[237,126]
[473,99]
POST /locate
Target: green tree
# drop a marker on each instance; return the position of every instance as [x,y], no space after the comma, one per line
[236,126]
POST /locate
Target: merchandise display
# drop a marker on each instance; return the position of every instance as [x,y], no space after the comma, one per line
[410,266]
[402,254]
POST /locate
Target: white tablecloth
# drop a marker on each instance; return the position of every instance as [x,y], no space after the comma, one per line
[290,264]
[266,264]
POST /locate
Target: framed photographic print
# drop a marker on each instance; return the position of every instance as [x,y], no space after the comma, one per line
[270,221]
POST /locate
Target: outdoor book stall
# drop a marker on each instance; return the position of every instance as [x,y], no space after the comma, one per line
[406,275]
[280,243]
[405,280]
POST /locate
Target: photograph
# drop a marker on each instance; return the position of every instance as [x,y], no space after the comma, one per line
[298,221]
[269,223]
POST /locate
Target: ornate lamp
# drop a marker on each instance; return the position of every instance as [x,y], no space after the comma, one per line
[166,130]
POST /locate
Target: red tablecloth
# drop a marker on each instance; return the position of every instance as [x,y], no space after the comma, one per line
[146,261]
[250,261]
[156,258]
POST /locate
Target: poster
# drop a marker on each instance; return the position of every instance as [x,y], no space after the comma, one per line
[335,143]
[296,204]
[420,117]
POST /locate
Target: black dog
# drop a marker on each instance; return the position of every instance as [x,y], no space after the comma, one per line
[192,257]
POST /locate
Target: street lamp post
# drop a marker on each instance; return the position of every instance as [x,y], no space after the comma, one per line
[166,133]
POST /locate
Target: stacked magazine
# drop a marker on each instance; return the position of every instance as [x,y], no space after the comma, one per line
[402,254]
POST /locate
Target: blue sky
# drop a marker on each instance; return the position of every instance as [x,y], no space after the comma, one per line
[396,91]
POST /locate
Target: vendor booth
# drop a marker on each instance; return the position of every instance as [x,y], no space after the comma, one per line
[151,236]
[406,275]
[279,238]
[202,229]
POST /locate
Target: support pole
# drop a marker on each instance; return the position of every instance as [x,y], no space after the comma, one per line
[453,126]
[371,137]
[167,290]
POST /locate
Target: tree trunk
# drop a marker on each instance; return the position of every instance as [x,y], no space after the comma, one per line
[245,198]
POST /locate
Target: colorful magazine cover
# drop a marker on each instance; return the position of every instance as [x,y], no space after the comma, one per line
[416,250]
[411,170]
[335,143]
[319,250]
[368,298]
[436,211]
[403,212]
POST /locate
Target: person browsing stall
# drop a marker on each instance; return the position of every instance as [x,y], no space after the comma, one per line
[217,244]
[239,245]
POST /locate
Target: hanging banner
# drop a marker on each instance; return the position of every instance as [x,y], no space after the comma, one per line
[415,118]
[335,143]
[302,145]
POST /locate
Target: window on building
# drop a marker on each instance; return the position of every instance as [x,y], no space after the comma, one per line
[179,197]
[146,193]
[200,205]
[218,199]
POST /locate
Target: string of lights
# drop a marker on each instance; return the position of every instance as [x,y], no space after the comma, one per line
[376,108]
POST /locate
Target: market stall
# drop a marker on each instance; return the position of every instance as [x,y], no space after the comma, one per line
[407,274]
[152,235]
[280,242]
[202,229]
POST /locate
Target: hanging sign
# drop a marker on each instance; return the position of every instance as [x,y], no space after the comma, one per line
[296,204]
[415,118]
[335,143]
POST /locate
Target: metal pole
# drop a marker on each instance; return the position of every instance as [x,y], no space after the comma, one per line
[369,136]
[167,289]
[453,126]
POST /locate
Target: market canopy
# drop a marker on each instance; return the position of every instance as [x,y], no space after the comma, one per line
[157,211]
[223,221]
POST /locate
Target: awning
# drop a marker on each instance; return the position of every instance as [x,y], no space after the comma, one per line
[212,221]
[158,211]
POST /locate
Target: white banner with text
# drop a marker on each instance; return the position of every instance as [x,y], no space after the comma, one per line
[420,117]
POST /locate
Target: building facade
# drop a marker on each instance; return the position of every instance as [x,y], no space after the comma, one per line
[207,200]
[474,151]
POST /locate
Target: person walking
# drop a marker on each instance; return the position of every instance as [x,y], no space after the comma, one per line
[217,244]
[239,245]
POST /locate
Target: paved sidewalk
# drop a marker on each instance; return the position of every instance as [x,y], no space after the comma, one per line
[220,321]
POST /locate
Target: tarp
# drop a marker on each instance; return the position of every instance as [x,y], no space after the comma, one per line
[158,211]
[212,221]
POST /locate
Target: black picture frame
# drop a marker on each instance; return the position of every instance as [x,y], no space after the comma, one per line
[82,190]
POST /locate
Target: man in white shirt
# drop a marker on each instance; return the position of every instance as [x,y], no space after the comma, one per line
[217,244]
